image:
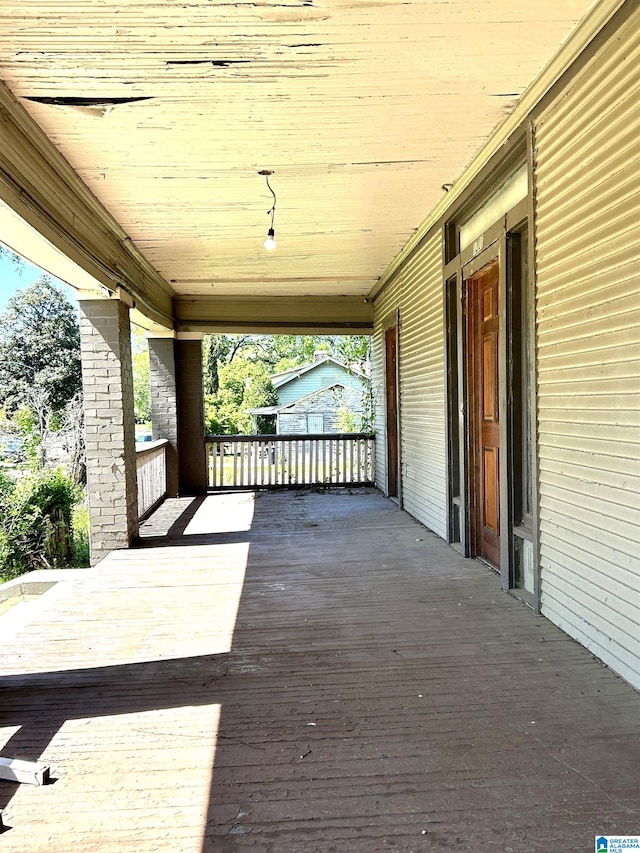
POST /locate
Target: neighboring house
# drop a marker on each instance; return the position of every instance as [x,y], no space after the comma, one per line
[314,397]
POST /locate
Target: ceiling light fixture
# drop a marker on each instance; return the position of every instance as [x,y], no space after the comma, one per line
[270,242]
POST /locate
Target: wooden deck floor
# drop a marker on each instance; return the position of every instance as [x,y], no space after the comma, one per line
[308,672]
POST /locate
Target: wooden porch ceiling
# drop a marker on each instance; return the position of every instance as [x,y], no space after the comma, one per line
[363,110]
[308,672]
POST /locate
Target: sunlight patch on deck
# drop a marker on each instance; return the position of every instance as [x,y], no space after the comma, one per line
[150,771]
[223,514]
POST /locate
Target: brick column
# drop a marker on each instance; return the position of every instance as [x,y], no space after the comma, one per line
[192,459]
[164,406]
[107,379]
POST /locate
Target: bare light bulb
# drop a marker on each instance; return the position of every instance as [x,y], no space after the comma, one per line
[270,242]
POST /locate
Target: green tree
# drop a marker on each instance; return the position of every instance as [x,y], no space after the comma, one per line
[141,387]
[217,349]
[16,260]
[280,352]
[39,349]
[243,384]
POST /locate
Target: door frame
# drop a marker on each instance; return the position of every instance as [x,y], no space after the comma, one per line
[459,267]
[391,322]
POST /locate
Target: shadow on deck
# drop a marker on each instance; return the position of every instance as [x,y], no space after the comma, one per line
[308,672]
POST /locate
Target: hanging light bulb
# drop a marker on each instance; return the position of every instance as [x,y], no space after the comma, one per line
[270,242]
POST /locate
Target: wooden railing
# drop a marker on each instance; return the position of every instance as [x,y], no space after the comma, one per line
[272,461]
[151,468]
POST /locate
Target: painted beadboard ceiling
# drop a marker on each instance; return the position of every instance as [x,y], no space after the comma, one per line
[363,110]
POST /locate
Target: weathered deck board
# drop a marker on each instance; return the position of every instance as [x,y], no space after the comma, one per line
[173,691]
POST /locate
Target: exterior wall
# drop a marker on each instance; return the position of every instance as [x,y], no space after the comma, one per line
[422,389]
[293,421]
[388,302]
[588,321]
[107,379]
[417,292]
[164,411]
[319,377]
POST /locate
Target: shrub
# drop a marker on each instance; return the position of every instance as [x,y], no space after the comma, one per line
[80,547]
[35,522]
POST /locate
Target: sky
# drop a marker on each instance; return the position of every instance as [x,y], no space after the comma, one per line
[13,278]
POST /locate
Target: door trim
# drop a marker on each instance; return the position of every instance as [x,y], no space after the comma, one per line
[391,320]
[483,434]
[495,245]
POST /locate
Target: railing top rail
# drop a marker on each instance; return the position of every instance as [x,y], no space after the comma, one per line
[322,436]
[144,447]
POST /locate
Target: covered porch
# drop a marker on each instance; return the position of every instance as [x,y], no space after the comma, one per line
[307,671]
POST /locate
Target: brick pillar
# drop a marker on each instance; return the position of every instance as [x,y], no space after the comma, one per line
[192,459]
[107,379]
[164,406]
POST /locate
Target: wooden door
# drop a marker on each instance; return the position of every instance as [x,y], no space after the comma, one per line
[315,424]
[484,423]
[391,381]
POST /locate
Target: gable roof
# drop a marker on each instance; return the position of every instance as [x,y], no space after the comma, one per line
[274,410]
[280,379]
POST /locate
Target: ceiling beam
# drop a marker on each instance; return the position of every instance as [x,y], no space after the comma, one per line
[279,315]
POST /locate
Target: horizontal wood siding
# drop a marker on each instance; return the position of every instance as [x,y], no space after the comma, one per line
[422,389]
[322,376]
[588,319]
[389,301]
[417,292]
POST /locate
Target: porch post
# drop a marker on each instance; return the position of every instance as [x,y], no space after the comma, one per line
[107,379]
[164,404]
[192,459]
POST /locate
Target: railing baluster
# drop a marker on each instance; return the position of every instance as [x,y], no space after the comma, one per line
[314,455]
[270,461]
[255,451]
[293,464]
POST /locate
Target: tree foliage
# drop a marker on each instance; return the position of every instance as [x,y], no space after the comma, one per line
[243,385]
[39,349]
[140,363]
[16,260]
